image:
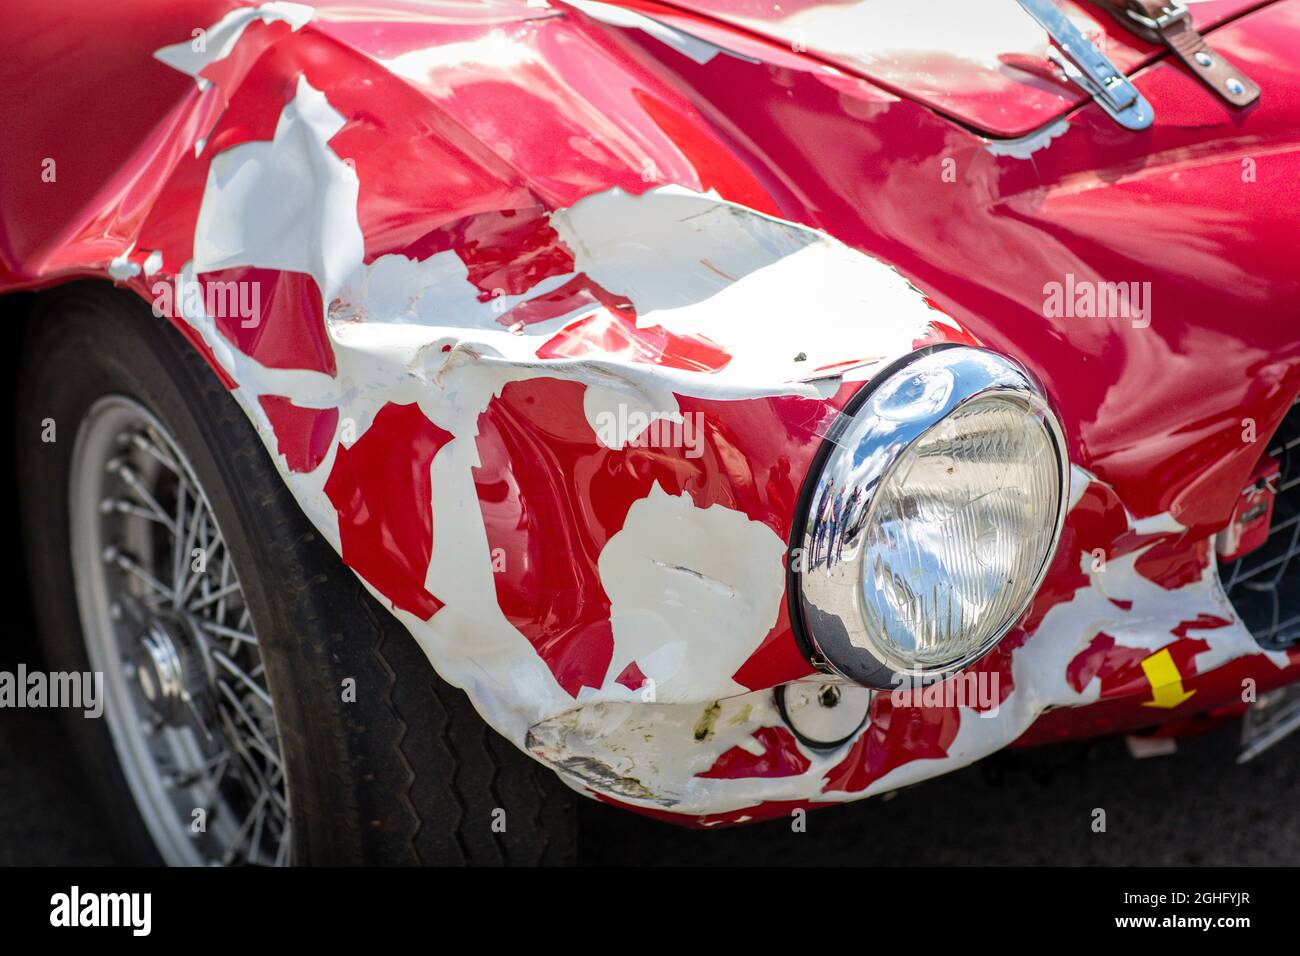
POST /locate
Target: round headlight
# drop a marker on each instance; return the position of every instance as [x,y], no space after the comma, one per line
[932,520]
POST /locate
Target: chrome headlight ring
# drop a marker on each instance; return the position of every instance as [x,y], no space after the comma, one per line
[897,585]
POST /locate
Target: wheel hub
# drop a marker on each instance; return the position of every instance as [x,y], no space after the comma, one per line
[170,671]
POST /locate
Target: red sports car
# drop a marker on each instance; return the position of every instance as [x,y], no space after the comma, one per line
[744,406]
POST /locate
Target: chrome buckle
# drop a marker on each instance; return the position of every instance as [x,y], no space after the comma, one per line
[1089,68]
[1169,13]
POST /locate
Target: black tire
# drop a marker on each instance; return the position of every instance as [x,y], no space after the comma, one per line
[408,773]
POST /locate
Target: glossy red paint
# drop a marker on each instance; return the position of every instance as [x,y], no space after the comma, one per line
[381,489]
[1252,518]
[631,677]
[471,154]
[1102,659]
[506,252]
[548,486]
[894,736]
[1212,692]
[780,758]
[272,316]
[1089,204]
[901,730]
[577,294]
[302,435]
[615,332]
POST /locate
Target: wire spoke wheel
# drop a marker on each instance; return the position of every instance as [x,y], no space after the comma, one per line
[166,623]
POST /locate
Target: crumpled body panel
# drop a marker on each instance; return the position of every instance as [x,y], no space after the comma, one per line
[542,316]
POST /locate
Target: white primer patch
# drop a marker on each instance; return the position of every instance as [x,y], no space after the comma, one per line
[219,39]
[288,204]
[121,267]
[391,320]
[781,299]
[693,593]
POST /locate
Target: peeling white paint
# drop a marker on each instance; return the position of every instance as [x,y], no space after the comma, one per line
[736,272]
[289,204]
[194,55]
[122,268]
[1026,146]
[1079,481]
[693,593]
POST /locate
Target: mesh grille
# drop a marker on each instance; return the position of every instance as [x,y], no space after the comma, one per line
[1264,585]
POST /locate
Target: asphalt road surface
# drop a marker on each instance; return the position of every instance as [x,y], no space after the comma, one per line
[1195,807]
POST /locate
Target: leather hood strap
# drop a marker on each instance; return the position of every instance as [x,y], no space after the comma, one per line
[1161,21]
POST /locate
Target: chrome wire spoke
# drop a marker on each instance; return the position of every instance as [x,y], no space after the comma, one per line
[235,635]
[150,447]
[128,475]
[212,596]
[128,564]
[191,538]
[250,764]
[203,774]
[178,550]
[225,583]
[260,808]
[244,678]
[127,507]
[246,735]
[282,850]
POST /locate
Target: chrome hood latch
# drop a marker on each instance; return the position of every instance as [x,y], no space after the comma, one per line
[1091,69]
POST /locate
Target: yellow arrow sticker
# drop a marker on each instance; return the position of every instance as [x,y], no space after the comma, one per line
[1166,683]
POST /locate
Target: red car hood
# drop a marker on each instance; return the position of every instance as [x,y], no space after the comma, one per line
[982,64]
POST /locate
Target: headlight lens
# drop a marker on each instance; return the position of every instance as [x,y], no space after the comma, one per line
[933,519]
